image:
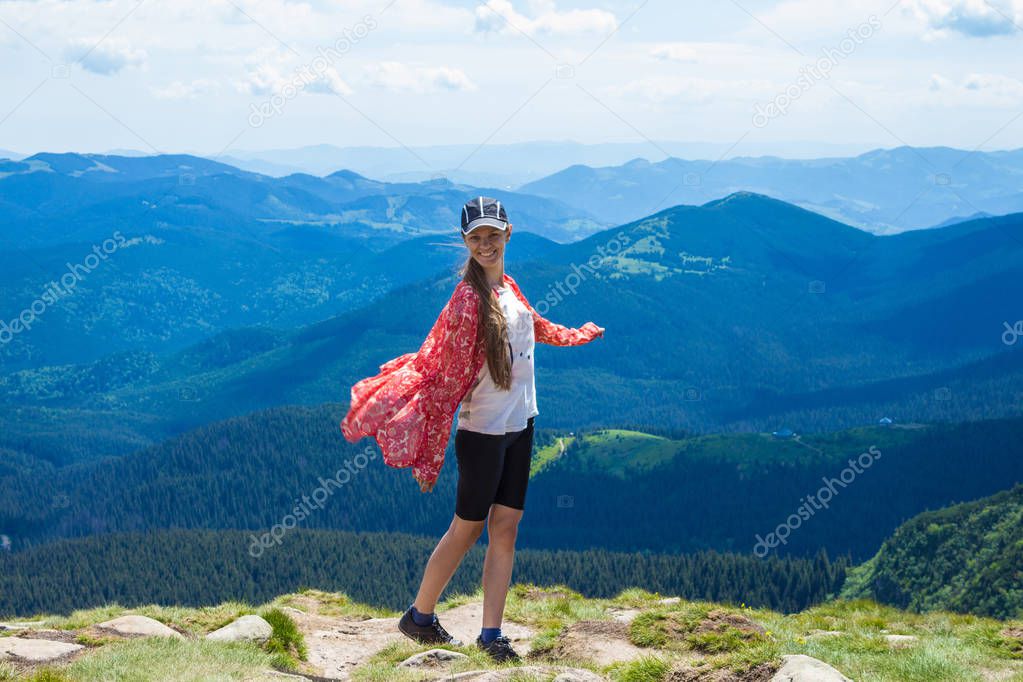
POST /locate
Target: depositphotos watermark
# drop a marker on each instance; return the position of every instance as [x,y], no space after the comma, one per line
[315,500]
[59,289]
[316,70]
[810,74]
[820,500]
[1012,333]
[568,284]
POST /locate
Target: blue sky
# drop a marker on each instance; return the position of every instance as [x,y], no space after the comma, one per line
[212,76]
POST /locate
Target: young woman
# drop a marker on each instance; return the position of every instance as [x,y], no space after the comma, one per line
[479,354]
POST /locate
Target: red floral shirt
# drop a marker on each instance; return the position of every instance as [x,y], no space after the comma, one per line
[409,406]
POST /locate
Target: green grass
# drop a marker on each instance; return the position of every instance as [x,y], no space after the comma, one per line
[950,648]
[621,452]
[549,608]
[382,666]
[196,620]
[542,457]
[286,642]
[646,669]
[166,659]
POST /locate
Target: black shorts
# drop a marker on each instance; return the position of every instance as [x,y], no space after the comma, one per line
[492,469]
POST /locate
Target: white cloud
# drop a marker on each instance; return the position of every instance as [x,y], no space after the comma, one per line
[496,15]
[979,89]
[179,90]
[675,52]
[401,77]
[330,83]
[271,70]
[104,56]
[192,90]
[660,89]
[974,18]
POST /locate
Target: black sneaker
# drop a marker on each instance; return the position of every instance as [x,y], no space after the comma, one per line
[425,634]
[500,648]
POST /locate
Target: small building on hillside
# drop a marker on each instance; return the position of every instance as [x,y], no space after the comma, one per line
[885,421]
[783,433]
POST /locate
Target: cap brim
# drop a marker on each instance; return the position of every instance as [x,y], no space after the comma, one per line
[481,222]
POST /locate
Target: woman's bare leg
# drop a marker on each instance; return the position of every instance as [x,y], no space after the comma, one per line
[447,555]
[497,566]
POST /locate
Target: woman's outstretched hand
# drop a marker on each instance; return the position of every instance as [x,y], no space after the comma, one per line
[601,331]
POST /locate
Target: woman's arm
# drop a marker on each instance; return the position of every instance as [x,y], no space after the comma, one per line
[555,334]
[551,333]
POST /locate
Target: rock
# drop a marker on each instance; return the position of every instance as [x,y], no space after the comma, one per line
[434,658]
[138,626]
[35,650]
[577,676]
[901,641]
[518,672]
[22,626]
[824,633]
[623,615]
[800,668]
[669,600]
[245,629]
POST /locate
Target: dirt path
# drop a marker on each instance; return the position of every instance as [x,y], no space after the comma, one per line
[337,645]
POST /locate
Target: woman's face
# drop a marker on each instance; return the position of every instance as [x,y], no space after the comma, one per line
[486,244]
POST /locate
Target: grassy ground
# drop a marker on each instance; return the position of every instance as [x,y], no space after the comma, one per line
[949,647]
[166,659]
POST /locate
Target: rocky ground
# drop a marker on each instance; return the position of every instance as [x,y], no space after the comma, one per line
[561,636]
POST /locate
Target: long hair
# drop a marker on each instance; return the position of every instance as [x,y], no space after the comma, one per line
[492,328]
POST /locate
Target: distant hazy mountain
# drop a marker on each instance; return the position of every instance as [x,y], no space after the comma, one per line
[197,247]
[498,165]
[959,219]
[882,191]
[48,199]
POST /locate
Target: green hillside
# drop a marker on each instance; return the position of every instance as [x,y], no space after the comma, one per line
[617,490]
[628,490]
[967,558]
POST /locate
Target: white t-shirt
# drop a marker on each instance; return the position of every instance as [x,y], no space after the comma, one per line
[489,409]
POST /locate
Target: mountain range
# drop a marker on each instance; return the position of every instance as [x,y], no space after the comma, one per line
[744,313]
[883,191]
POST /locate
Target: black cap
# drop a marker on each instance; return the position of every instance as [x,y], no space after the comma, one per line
[483,211]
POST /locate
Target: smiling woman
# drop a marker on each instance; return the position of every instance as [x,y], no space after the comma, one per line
[479,354]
